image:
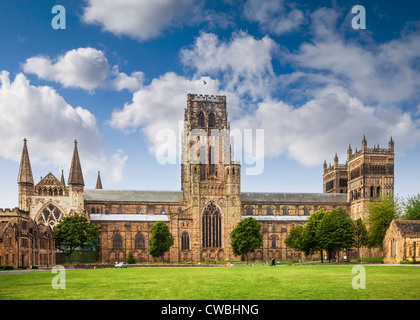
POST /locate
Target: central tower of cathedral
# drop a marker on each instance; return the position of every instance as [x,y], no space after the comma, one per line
[210,180]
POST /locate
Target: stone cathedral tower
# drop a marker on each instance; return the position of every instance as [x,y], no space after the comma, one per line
[367,175]
[210,180]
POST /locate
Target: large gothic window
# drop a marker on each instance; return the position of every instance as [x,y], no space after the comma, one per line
[185,241]
[139,241]
[212,227]
[50,216]
[117,242]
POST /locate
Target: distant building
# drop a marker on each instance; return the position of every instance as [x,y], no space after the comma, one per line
[402,241]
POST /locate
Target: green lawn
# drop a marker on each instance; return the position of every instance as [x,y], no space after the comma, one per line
[315,282]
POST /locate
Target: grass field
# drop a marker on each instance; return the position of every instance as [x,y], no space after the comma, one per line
[315,282]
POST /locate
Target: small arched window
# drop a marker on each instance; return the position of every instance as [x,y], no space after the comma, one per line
[306,211]
[249,211]
[269,211]
[212,120]
[201,119]
[185,241]
[273,242]
[163,210]
[285,211]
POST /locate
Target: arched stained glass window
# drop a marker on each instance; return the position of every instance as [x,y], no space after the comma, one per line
[117,242]
[139,241]
[50,216]
[185,241]
[273,242]
[212,227]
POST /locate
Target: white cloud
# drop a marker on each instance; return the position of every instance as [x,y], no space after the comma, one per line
[327,124]
[85,68]
[118,162]
[139,19]
[273,16]
[385,73]
[243,63]
[50,124]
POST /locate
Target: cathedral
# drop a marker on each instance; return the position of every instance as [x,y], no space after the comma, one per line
[201,215]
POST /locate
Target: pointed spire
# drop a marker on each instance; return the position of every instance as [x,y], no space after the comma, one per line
[98,181]
[364,143]
[25,170]
[62,178]
[76,175]
[391,145]
[336,160]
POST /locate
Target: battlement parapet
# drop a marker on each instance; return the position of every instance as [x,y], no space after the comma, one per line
[9,211]
[374,150]
[202,97]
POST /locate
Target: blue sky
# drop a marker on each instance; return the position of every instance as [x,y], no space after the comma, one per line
[121,70]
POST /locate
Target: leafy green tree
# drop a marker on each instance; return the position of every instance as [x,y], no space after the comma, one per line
[294,238]
[380,215]
[360,235]
[160,240]
[246,237]
[72,232]
[336,231]
[310,243]
[412,208]
[130,258]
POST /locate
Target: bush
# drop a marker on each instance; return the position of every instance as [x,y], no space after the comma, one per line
[23,267]
[410,262]
[7,267]
[130,258]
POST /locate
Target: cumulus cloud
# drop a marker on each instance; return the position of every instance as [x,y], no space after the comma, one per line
[243,63]
[140,19]
[85,68]
[273,16]
[339,85]
[385,73]
[326,124]
[50,124]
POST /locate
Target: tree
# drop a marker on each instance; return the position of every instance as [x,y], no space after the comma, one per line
[246,237]
[381,213]
[130,258]
[310,244]
[360,235]
[72,232]
[160,240]
[336,231]
[294,238]
[412,208]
